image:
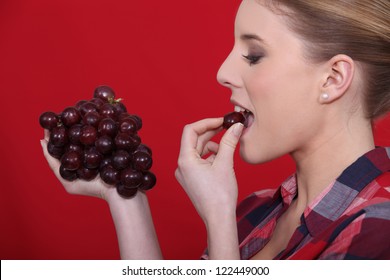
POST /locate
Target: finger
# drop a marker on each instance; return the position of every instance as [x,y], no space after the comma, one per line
[210,147]
[46,134]
[195,135]
[229,143]
[53,162]
[205,138]
[178,176]
[211,158]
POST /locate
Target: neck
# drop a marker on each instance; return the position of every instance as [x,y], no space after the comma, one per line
[321,162]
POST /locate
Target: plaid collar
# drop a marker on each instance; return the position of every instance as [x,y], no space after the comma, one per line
[338,196]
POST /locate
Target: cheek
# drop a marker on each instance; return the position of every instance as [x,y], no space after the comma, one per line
[270,100]
[280,111]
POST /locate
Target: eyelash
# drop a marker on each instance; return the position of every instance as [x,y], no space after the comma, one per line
[253,59]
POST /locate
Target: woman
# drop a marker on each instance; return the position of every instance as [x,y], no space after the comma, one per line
[313,75]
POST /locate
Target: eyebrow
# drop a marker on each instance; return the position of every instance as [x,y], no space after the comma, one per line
[249,37]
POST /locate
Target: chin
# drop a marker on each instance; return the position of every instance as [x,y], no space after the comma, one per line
[252,157]
[257,156]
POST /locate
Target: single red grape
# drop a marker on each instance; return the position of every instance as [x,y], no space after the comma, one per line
[92,118]
[128,125]
[109,175]
[92,158]
[124,141]
[71,160]
[79,104]
[138,121]
[123,116]
[142,161]
[131,178]
[55,151]
[136,141]
[68,175]
[143,148]
[88,135]
[120,159]
[108,111]
[70,116]
[108,127]
[105,93]
[48,120]
[87,174]
[119,108]
[59,136]
[98,102]
[148,181]
[233,118]
[88,107]
[74,133]
[104,145]
[126,192]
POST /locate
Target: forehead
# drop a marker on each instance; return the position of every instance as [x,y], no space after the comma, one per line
[254,17]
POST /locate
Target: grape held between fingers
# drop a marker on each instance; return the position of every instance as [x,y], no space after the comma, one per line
[99,137]
[232,118]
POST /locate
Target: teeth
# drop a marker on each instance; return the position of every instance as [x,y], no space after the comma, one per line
[238,109]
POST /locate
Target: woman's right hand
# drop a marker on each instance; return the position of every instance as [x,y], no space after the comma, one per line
[95,187]
[209,182]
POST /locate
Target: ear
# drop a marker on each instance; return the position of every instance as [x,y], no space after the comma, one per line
[338,77]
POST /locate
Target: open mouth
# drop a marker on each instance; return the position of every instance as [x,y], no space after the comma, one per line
[248,115]
[241,115]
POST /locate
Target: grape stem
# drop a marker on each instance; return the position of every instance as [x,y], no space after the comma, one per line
[114,101]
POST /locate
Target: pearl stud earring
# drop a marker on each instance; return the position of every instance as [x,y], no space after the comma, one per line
[324,96]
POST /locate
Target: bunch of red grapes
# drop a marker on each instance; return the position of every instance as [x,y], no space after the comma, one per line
[99,137]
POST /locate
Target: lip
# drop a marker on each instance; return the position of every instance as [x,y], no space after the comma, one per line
[235,103]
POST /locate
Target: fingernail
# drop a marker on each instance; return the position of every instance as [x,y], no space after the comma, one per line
[237,129]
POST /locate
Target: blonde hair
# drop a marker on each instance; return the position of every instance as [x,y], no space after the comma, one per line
[357,28]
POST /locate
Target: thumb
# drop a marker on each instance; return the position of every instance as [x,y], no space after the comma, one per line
[53,162]
[229,143]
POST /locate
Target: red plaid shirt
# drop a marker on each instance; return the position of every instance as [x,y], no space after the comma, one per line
[350,219]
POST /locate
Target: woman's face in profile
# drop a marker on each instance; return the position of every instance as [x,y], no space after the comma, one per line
[268,75]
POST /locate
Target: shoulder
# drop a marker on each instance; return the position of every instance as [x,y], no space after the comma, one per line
[256,200]
[370,233]
[363,235]
[379,212]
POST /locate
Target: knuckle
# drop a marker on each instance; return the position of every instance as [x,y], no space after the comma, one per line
[180,162]
[184,165]
[229,143]
[177,173]
[187,127]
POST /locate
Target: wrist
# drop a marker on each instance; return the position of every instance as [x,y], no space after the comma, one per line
[112,197]
[219,221]
[222,236]
[220,217]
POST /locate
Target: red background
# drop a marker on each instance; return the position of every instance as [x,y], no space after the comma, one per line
[162,58]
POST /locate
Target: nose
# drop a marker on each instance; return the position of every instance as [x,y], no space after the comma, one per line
[228,72]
